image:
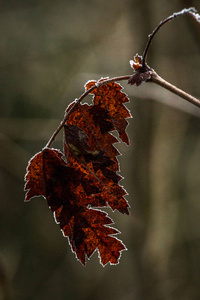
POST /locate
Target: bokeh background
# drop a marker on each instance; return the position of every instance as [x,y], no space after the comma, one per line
[48,50]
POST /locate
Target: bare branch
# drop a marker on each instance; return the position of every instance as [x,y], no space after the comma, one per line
[160,81]
[186,11]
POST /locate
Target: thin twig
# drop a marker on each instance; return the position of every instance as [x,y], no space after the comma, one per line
[191,11]
[160,81]
[77,101]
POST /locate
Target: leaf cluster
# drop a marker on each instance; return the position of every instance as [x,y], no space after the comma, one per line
[85,177]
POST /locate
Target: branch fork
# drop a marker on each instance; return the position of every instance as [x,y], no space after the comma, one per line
[142,73]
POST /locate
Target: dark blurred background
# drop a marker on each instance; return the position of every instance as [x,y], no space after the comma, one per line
[49,49]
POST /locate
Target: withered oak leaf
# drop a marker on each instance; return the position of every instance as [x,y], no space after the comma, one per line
[112,99]
[87,230]
[48,175]
[65,189]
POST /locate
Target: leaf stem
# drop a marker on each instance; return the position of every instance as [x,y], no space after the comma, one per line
[77,101]
[160,81]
